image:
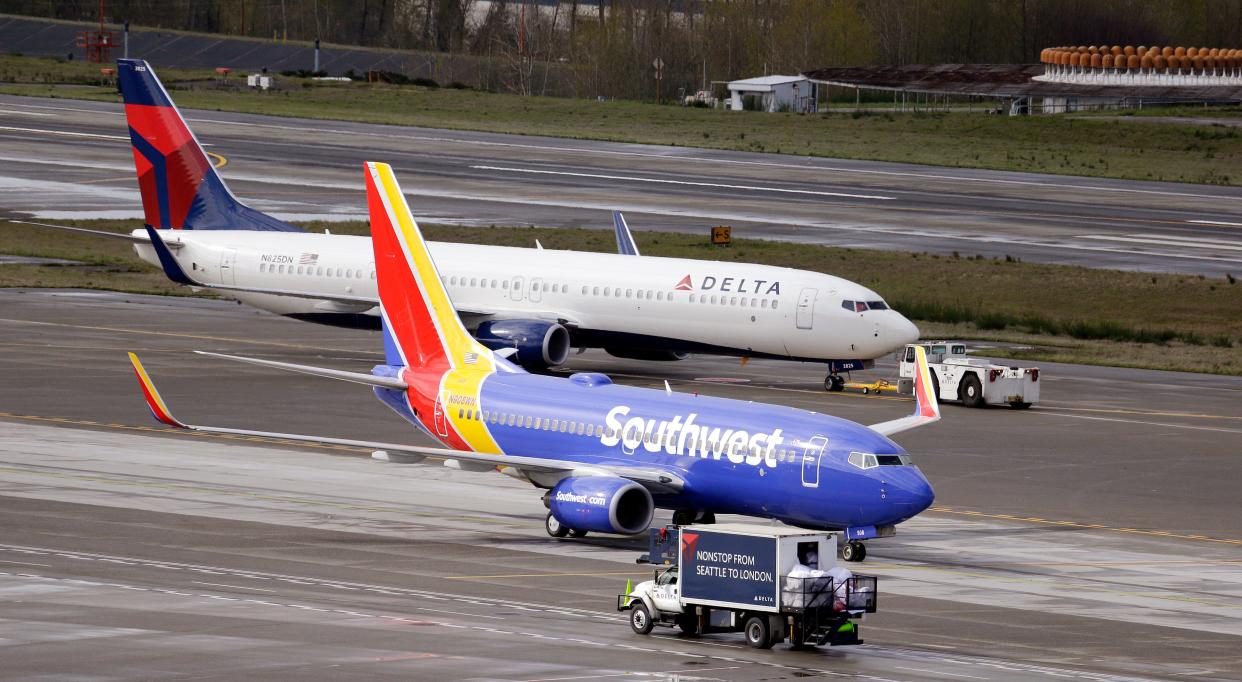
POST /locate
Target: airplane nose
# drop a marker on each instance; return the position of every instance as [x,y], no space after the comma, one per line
[910,492]
[902,331]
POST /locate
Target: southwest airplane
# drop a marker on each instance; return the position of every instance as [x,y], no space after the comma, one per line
[540,302]
[607,455]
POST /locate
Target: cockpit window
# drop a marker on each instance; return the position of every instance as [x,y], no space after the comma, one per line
[854,306]
[866,460]
[877,305]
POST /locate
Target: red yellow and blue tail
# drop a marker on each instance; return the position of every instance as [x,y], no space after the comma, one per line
[179,185]
[417,311]
[155,403]
[443,366]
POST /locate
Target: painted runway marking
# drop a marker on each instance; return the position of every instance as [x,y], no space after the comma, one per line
[460,613]
[1189,427]
[536,575]
[1165,240]
[64,133]
[201,337]
[1188,415]
[1091,526]
[689,183]
[941,672]
[25,563]
[1214,222]
[234,587]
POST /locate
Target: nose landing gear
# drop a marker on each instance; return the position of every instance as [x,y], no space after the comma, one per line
[685,517]
[853,551]
[834,382]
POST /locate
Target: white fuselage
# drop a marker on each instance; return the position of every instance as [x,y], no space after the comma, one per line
[606,299]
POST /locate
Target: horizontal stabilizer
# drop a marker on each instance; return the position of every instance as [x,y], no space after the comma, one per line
[94,233]
[355,377]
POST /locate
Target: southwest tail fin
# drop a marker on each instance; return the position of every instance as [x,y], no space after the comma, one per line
[418,316]
[179,185]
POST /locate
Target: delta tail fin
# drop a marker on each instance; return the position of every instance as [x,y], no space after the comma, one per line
[420,323]
[179,185]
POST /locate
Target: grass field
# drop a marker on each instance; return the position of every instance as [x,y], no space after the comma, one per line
[1046,144]
[1069,314]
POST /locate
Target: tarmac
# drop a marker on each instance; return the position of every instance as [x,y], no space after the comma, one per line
[65,159]
[1094,536]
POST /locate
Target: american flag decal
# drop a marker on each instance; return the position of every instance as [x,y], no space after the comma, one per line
[308,259]
[472,358]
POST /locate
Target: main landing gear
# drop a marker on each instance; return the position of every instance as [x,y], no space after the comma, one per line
[853,551]
[559,530]
[685,517]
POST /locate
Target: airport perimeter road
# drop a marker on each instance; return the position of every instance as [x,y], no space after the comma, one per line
[1095,537]
[64,158]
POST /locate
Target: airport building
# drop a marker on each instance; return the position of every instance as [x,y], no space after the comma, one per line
[1066,79]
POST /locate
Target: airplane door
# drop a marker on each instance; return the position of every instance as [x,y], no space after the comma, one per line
[536,289]
[441,419]
[806,308]
[811,455]
[228,258]
[515,288]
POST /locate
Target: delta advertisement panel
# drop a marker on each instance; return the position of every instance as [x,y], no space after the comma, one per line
[722,567]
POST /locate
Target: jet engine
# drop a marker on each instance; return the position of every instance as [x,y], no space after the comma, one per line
[540,344]
[604,504]
[646,354]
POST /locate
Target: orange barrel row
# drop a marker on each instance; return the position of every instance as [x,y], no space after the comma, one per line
[1142,57]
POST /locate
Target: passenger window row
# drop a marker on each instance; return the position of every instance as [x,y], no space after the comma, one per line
[529,422]
[736,301]
[618,292]
[313,270]
[502,284]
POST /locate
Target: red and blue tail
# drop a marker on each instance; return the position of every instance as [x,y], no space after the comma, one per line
[180,187]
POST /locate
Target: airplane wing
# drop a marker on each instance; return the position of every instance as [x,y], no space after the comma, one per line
[94,233]
[653,478]
[926,402]
[626,245]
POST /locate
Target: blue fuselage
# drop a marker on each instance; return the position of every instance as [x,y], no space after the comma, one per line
[735,457]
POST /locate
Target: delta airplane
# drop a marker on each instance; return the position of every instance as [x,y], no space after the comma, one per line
[607,455]
[540,302]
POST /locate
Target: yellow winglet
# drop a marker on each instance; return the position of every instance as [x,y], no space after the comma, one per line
[159,409]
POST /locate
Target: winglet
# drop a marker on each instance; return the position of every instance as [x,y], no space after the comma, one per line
[926,402]
[159,409]
[172,269]
[626,246]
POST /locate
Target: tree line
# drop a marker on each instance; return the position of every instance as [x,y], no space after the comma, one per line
[612,46]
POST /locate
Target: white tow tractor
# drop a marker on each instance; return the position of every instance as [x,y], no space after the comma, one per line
[976,382]
[771,584]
